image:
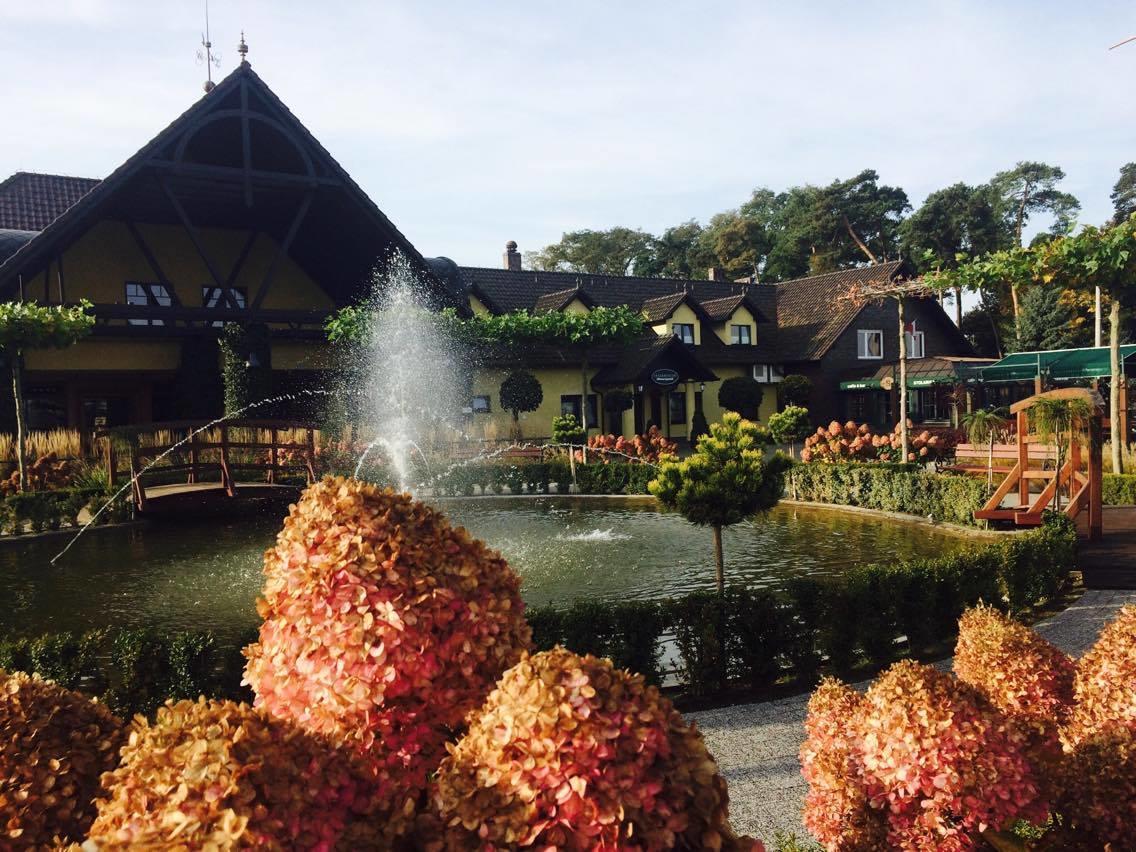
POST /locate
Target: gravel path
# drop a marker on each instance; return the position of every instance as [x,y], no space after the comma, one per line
[756,745]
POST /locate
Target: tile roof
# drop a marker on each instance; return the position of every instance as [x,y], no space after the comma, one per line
[722,309]
[640,357]
[560,299]
[661,307]
[811,313]
[31,201]
[12,241]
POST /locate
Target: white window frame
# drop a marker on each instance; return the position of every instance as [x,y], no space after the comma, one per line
[761,373]
[862,349]
[152,294]
[675,326]
[737,327]
[913,337]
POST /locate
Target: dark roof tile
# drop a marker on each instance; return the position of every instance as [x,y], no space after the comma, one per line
[31,201]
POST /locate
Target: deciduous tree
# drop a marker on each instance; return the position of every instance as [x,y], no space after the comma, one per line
[1124,193]
[520,392]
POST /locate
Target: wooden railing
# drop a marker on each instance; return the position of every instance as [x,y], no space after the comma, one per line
[195,451]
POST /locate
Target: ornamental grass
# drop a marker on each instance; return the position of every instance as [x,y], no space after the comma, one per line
[837,811]
[570,753]
[384,626]
[1019,673]
[54,746]
[220,775]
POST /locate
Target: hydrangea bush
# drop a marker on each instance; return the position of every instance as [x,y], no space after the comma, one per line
[647,447]
[1019,672]
[384,626]
[54,746]
[215,774]
[570,753]
[1105,684]
[852,442]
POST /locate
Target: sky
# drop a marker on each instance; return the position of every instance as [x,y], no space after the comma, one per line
[470,124]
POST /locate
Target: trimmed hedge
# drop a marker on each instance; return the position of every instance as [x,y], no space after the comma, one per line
[872,615]
[38,511]
[1119,489]
[907,489]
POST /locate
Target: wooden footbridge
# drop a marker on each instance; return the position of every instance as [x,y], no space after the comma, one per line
[186,462]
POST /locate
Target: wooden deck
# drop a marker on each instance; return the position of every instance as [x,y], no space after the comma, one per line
[1111,562]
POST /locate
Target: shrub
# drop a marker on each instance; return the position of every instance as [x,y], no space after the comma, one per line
[1119,489]
[520,391]
[646,448]
[54,746]
[795,389]
[570,753]
[698,426]
[566,429]
[1103,686]
[940,761]
[147,666]
[790,425]
[890,488]
[837,811]
[760,631]
[1019,673]
[852,442]
[214,774]
[1099,791]
[741,394]
[699,622]
[384,626]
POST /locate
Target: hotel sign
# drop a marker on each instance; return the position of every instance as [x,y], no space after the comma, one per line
[664,377]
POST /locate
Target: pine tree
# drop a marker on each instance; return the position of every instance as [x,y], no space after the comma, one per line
[1045,322]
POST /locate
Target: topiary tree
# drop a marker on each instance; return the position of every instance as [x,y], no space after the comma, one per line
[54,746]
[982,427]
[698,426]
[227,776]
[741,394]
[26,325]
[566,429]
[520,391]
[384,626]
[571,753]
[730,477]
[790,425]
[795,389]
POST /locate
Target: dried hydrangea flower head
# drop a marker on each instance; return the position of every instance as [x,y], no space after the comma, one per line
[1019,672]
[220,775]
[384,626]
[837,812]
[942,761]
[1106,681]
[570,753]
[54,746]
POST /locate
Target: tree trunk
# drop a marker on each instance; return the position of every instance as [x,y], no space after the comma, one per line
[990,466]
[584,403]
[18,395]
[859,242]
[903,436]
[719,563]
[958,306]
[1114,386]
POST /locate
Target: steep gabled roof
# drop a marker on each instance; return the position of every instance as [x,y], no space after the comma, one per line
[339,243]
[812,312]
[12,241]
[31,201]
[661,308]
[640,357]
[558,300]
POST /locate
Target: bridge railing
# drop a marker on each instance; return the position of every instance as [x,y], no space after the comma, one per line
[200,451]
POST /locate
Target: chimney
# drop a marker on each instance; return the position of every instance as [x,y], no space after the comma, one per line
[512,257]
[716,273]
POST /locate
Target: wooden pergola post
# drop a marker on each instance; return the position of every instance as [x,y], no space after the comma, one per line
[1023,457]
[1096,478]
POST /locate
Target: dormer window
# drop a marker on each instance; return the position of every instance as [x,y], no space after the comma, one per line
[740,335]
[869,344]
[684,331]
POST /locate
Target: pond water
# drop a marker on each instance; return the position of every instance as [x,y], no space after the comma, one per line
[207,575]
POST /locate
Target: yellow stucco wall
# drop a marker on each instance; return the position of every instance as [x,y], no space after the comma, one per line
[477,306]
[576,307]
[741,316]
[100,263]
[714,411]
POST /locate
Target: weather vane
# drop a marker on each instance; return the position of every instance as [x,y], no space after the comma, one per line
[205,56]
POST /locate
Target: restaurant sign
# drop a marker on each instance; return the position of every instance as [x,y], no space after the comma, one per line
[664,377]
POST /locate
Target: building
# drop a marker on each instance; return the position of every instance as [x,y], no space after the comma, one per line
[710,330]
[236,214]
[233,213]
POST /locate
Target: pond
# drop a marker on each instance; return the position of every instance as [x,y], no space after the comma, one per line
[207,575]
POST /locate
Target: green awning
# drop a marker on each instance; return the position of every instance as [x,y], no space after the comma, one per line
[861,384]
[1056,365]
[921,373]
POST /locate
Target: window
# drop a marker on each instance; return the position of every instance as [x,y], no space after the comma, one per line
[570,404]
[676,403]
[739,334]
[684,331]
[869,344]
[147,295]
[212,297]
[480,405]
[914,341]
[766,373]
